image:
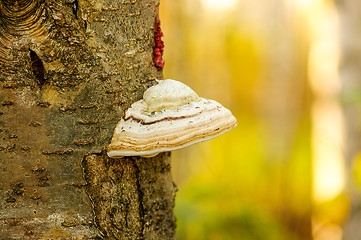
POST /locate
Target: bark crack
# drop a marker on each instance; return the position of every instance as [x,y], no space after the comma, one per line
[75,7]
[86,164]
[37,68]
[140,196]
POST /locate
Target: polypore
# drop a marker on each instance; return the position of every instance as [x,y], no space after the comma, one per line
[170,116]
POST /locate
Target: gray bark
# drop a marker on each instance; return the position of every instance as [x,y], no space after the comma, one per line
[68,70]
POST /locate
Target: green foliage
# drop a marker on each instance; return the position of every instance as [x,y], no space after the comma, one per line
[235,190]
[201,218]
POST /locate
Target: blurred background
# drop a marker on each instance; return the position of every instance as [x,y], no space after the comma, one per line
[286,172]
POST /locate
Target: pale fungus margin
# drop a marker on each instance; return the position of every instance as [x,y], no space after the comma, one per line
[170,116]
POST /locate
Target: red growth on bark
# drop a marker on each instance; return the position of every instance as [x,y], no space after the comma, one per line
[158,46]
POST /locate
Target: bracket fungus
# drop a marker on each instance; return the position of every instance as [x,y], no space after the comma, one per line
[169,117]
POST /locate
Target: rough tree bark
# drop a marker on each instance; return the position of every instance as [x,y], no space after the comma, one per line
[68,70]
[350,72]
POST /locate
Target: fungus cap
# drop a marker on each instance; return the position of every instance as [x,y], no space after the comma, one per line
[168,94]
[144,131]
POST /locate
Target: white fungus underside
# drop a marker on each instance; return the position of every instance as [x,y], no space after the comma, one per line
[146,134]
[154,152]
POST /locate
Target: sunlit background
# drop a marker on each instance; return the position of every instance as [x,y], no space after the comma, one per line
[280,174]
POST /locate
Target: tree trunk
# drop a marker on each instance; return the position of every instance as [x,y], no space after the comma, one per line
[69,68]
[350,72]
